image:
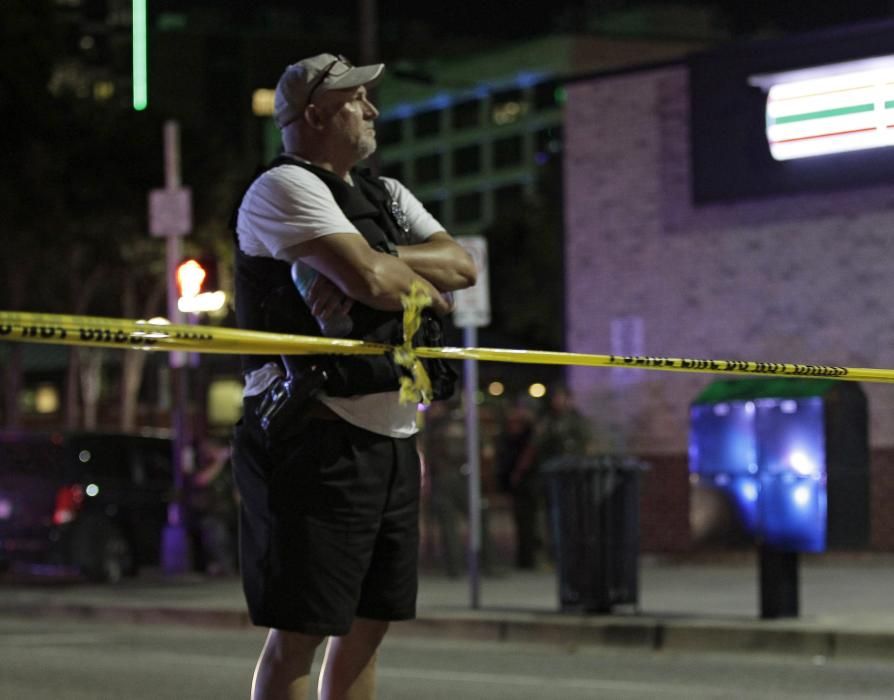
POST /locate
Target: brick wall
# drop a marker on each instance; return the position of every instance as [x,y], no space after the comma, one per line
[801,278]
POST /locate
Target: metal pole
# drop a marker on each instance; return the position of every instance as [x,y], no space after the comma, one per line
[176,554]
[470,378]
[778,578]
[369,31]
[368,17]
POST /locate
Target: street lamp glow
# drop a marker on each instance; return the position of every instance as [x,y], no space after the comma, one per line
[537,390]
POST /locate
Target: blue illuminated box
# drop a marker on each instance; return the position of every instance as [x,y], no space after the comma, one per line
[787,458]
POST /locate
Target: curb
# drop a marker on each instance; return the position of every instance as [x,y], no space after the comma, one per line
[129,614]
[648,633]
[657,634]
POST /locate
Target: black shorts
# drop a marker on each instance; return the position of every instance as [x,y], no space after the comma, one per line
[329,526]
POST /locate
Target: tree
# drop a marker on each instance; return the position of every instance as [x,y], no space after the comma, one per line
[73,190]
[28,51]
[73,186]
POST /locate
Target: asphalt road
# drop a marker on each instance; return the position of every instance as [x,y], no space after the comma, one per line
[43,660]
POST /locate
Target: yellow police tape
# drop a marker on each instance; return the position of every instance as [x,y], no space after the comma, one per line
[417,387]
[93,331]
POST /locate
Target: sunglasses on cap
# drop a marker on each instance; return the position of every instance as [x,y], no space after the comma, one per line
[342,63]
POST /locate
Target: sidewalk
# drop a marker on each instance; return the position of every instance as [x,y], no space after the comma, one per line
[847,607]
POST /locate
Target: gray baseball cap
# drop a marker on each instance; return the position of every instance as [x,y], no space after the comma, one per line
[316,75]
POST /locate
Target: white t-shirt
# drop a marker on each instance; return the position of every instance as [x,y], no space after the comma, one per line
[289,205]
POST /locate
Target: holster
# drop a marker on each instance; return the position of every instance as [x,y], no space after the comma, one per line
[282,412]
[442,376]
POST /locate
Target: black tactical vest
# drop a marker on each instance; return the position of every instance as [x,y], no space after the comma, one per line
[267,300]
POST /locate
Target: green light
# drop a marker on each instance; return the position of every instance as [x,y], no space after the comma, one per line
[140,63]
[560,95]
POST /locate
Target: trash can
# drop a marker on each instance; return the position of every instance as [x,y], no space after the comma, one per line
[593,505]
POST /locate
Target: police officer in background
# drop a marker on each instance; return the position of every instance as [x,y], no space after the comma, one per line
[325,457]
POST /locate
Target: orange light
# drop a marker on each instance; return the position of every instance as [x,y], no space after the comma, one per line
[190,277]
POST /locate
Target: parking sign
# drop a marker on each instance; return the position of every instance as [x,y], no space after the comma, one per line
[472,307]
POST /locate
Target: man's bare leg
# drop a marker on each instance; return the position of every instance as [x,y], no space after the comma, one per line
[349,666]
[283,669]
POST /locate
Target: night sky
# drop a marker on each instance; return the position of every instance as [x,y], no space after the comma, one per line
[504,19]
[743,17]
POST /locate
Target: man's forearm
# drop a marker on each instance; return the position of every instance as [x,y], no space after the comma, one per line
[376,279]
[390,278]
[442,261]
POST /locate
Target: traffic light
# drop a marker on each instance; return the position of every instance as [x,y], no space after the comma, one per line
[197,282]
[190,278]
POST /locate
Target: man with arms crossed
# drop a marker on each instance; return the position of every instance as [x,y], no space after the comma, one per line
[329,514]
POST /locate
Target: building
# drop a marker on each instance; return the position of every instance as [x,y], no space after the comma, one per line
[96,49]
[686,237]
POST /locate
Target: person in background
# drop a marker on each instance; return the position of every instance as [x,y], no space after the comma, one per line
[518,475]
[212,505]
[443,449]
[563,430]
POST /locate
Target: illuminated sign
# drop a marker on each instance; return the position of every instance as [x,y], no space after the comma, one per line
[140,60]
[829,109]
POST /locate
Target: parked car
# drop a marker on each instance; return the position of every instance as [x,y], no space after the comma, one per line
[95,502]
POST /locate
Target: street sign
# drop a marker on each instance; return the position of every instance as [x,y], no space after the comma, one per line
[170,211]
[472,307]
